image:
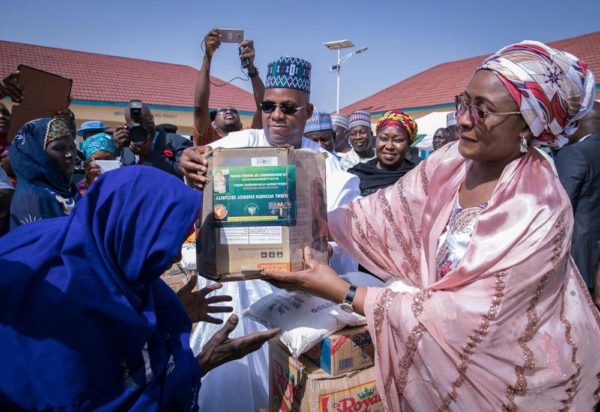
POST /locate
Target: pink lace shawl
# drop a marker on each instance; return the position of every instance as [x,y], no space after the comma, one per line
[512,325]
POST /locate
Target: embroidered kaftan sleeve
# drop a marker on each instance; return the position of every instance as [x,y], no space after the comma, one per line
[512,326]
[516,337]
[382,231]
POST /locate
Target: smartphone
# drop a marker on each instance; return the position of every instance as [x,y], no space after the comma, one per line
[246,61]
[231,35]
[107,165]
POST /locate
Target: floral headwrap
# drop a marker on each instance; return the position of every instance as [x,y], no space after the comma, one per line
[100,142]
[399,119]
[553,89]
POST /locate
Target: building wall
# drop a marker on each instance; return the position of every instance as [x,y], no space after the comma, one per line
[112,114]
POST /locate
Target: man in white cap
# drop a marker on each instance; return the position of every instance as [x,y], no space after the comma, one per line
[320,129]
[451,127]
[361,138]
[443,136]
[341,124]
[440,138]
[285,110]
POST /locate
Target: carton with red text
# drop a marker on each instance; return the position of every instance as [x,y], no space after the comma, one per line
[345,351]
[298,385]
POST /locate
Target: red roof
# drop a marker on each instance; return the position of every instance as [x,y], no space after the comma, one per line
[439,84]
[105,78]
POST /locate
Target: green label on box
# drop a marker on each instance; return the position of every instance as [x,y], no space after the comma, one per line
[254,196]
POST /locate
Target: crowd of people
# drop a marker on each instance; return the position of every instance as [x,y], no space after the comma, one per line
[497,231]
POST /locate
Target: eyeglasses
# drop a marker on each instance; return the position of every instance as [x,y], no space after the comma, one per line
[223,111]
[286,108]
[477,112]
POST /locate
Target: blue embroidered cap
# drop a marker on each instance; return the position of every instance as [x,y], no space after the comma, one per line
[318,122]
[288,73]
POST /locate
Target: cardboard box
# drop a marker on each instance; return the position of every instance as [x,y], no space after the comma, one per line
[298,385]
[260,208]
[43,95]
[345,351]
[176,278]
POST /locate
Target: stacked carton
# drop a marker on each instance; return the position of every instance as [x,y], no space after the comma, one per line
[345,351]
[176,277]
[336,375]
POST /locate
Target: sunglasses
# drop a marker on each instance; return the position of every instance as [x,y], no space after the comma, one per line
[286,108]
[480,113]
[231,110]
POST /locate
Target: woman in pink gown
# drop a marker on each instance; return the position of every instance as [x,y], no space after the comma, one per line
[500,319]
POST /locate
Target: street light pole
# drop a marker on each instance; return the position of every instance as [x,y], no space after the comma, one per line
[337,102]
[339,45]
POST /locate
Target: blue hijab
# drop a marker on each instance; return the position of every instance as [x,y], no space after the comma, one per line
[85,321]
[42,190]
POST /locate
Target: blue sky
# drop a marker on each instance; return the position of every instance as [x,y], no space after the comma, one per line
[403,37]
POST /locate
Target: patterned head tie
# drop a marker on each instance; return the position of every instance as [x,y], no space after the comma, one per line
[288,73]
[553,89]
[100,142]
[360,118]
[319,121]
[340,120]
[56,129]
[401,120]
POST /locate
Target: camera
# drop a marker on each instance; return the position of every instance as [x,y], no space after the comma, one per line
[137,132]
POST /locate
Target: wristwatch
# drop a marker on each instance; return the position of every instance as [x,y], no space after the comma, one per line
[253,74]
[346,305]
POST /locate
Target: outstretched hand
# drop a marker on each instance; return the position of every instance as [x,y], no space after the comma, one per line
[198,306]
[319,279]
[221,349]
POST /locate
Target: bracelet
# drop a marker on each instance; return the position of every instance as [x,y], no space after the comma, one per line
[253,74]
